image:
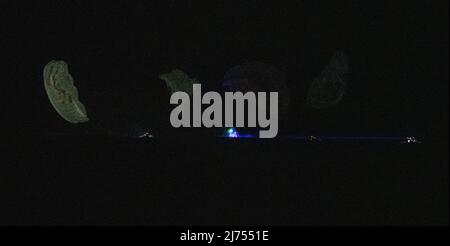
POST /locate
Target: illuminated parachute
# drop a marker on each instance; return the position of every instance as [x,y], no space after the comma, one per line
[328,88]
[177,80]
[62,93]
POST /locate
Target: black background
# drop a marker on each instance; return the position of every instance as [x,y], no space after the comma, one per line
[398,51]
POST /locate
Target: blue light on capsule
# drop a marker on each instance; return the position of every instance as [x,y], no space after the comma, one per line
[232,133]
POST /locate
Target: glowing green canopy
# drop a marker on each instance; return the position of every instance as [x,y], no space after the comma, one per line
[177,80]
[62,92]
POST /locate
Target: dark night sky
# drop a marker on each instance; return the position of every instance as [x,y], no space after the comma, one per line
[398,53]
[397,50]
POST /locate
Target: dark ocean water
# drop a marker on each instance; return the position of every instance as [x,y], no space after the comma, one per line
[95,180]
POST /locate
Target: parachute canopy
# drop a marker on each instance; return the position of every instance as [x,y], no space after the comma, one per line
[62,93]
[328,88]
